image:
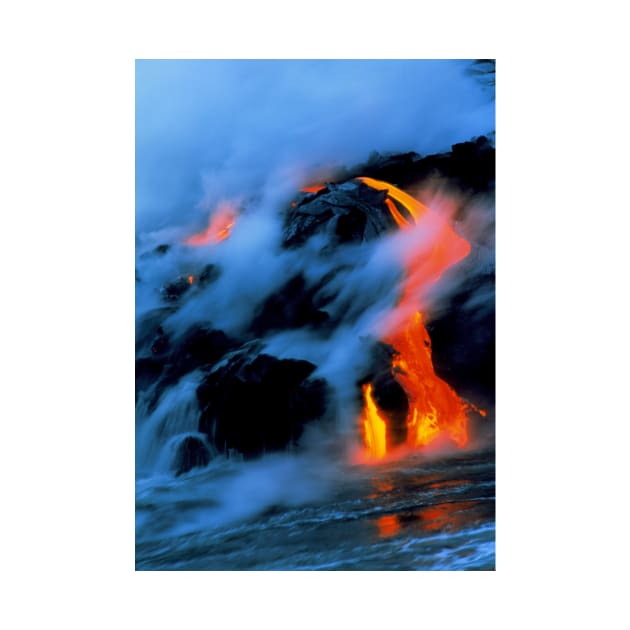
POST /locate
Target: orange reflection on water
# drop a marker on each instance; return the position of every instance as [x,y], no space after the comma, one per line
[388,525]
[450,516]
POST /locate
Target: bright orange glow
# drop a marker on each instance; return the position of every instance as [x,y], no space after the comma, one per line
[374,426]
[447,516]
[313,189]
[219,227]
[190,279]
[413,206]
[388,525]
[400,220]
[434,407]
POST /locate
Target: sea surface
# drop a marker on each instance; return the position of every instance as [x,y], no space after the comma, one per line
[298,513]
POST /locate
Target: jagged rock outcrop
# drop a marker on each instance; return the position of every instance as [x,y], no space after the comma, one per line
[344,213]
[255,403]
[199,347]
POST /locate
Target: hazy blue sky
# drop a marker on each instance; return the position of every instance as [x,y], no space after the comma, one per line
[214,128]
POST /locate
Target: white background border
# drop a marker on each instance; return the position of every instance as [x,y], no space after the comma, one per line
[67,116]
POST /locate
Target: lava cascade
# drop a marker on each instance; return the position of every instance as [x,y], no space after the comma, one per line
[434,407]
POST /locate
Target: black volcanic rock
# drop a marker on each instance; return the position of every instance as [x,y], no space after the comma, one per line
[158,251]
[255,403]
[293,306]
[173,291]
[353,212]
[160,343]
[162,249]
[300,226]
[462,335]
[349,212]
[149,327]
[351,226]
[208,275]
[191,453]
[469,165]
[198,348]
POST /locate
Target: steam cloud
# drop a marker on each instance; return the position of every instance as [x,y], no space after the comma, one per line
[254,132]
[206,130]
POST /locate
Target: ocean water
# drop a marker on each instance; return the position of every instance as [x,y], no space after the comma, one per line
[296,512]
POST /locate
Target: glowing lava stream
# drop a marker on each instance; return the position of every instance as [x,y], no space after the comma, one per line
[375,427]
[434,407]
[313,188]
[219,227]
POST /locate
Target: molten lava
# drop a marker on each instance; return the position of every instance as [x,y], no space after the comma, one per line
[313,189]
[374,426]
[219,227]
[434,407]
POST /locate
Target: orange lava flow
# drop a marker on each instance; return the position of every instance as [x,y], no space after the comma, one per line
[374,426]
[313,189]
[219,227]
[434,407]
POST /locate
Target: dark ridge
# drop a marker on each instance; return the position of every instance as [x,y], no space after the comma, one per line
[469,165]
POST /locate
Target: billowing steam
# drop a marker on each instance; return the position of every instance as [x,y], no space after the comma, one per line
[208,131]
[223,148]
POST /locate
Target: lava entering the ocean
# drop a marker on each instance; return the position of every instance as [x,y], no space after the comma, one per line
[434,407]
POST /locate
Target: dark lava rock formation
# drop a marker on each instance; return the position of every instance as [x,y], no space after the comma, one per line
[469,165]
[255,403]
[462,335]
[191,453]
[252,402]
[348,212]
[295,305]
[198,348]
